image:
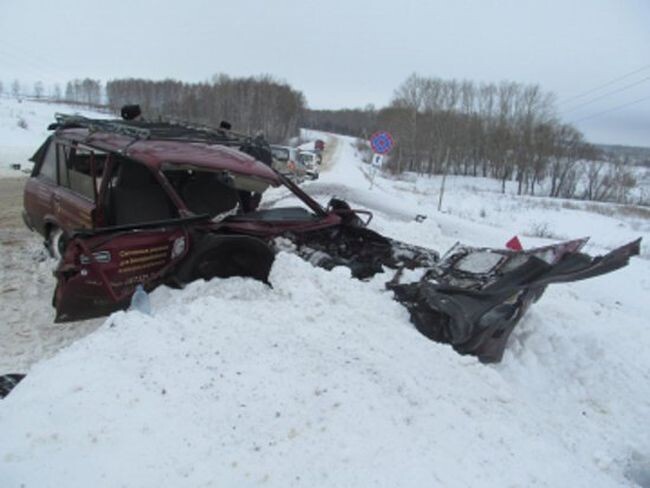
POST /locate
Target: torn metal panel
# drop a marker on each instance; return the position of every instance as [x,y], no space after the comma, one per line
[474,298]
[8,382]
[362,250]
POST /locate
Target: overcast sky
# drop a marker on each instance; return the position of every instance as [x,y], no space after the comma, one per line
[351,53]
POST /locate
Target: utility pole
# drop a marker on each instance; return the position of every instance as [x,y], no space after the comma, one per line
[442,183]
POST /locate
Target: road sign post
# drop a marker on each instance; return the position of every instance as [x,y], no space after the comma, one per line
[382,143]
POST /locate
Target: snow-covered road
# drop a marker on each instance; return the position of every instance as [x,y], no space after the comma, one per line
[27,333]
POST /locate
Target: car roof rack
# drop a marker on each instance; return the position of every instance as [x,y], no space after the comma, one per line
[67,121]
[169,130]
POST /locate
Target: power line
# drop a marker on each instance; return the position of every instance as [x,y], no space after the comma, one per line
[45,63]
[599,97]
[598,114]
[12,61]
[606,84]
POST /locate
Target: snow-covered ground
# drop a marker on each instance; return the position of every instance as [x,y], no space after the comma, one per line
[27,333]
[322,380]
[23,127]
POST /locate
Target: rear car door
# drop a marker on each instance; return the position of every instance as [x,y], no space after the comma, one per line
[41,188]
[100,270]
[74,201]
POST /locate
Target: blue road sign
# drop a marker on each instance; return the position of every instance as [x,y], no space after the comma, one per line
[382,142]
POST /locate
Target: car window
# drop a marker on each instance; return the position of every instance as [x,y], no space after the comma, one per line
[280,153]
[306,158]
[205,192]
[134,196]
[75,169]
[48,167]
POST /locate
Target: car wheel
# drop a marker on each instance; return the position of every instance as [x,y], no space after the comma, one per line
[56,242]
[226,256]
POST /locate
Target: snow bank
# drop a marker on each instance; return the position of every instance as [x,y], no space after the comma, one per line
[318,381]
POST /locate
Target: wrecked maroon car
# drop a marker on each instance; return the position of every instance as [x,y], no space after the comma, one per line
[136,202]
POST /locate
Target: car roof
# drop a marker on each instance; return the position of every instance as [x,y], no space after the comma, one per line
[154,153]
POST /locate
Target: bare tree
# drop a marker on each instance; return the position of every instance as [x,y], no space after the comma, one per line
[69,92]
[38,89]
[15,88]
[609,180]
[568,148]
[56,92]
[86,91]
[410,96]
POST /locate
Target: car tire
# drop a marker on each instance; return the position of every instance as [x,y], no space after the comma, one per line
[56,242]
[225,256]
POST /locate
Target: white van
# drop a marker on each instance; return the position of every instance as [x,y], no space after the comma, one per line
[311,163]
[286,161]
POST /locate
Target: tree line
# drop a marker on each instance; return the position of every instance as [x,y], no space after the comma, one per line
[251,105]
[508,131]
[81,91]
[86,92]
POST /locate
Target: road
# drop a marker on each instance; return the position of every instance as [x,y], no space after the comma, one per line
[27,331]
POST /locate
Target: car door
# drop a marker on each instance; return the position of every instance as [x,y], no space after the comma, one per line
[74,200]
[100,270]
[41,188]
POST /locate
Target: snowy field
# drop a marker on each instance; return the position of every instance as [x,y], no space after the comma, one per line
[322,380]
[23,127]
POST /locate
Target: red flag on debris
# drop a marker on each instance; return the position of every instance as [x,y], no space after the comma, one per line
[514,244]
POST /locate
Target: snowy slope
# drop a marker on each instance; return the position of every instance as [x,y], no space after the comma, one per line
[23,128]
[474,210]
[322,380]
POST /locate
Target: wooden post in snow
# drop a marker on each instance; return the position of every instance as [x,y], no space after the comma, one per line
[442,183]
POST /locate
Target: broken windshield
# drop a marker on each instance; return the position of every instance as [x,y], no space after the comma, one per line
[215,193]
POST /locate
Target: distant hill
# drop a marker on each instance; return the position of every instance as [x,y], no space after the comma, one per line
[638,156]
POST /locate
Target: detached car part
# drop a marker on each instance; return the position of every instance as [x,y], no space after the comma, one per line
[473,298]
[8,382]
